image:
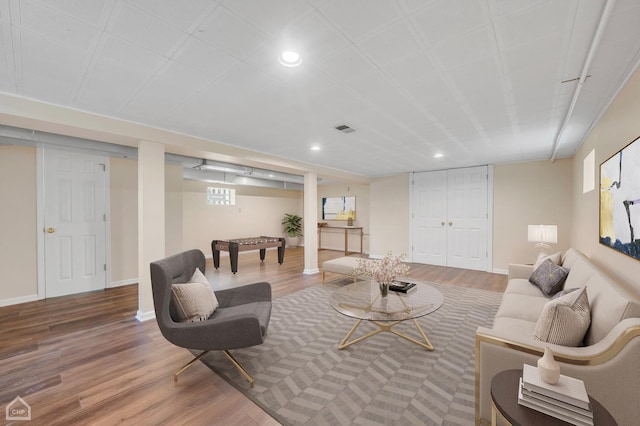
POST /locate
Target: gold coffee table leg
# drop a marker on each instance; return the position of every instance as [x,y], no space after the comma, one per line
[385,327]
[426,344]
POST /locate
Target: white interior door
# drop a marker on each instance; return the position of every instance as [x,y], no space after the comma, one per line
[74,222]
[467,218]
[429,216]
[450,218]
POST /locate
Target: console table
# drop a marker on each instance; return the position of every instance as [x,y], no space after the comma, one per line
[346,236]
[243,244]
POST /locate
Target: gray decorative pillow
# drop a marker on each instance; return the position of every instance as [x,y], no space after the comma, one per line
[565,320]
[549,277]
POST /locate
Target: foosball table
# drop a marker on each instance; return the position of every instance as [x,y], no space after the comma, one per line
[235,246]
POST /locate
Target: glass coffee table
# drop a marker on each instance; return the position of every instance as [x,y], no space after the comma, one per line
[362,301]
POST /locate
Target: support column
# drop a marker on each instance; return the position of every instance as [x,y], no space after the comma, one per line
[151,218]
[311,224]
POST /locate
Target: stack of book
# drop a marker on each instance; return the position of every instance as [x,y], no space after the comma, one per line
[402,286]
[566,400]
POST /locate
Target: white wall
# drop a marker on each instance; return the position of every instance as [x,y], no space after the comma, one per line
[533,193]
[124,220]
[18,244]
[173,215]
[257,212]
[618,126]
[189,222]
[389,216]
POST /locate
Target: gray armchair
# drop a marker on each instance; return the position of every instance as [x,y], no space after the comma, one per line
[241,320]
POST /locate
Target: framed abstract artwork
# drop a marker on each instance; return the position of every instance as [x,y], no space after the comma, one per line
[620,200]
[339,208]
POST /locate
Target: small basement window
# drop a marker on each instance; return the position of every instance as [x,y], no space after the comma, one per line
[221,196]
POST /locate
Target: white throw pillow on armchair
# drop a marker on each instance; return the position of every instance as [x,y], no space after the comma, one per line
[195,300]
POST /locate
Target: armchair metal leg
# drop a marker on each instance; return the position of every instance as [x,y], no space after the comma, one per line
[187,365]
[231,358]
[239,367]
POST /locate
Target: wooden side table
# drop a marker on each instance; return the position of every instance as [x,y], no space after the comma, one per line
[504,405]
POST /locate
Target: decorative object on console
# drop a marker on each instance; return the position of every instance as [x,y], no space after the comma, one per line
[548,367]
[384,271]
[543,235]
[620,201]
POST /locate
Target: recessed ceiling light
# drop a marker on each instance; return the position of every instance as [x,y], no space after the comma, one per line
[438,155]
[315,148]
[290,59]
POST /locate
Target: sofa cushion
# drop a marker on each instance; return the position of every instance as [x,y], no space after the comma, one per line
[549,277]
[565,320]
[610,304]
[520,306]
[579,273]
[522,286]
[261,310]
[513,327]
[555,258]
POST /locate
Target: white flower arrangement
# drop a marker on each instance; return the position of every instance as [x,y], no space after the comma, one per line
[384,270]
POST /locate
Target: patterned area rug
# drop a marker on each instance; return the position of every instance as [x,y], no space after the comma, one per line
[302,378]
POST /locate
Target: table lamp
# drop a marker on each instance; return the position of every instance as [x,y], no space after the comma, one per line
[542,235]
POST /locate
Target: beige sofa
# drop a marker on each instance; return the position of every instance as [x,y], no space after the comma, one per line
[609,360]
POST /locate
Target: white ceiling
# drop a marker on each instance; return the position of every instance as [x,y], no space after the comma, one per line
[480,81]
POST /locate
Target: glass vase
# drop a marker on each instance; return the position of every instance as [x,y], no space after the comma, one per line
[384,289]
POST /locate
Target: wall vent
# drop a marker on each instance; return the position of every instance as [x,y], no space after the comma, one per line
[345,129]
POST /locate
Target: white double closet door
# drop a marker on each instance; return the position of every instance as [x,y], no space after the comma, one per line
[450,218]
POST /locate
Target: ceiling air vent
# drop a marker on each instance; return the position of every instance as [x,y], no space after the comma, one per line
[345,129]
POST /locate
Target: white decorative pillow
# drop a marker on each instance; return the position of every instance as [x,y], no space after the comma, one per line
[565,320]
[555,258]
[195,300]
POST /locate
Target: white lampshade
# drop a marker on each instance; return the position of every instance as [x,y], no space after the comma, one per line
[543,234]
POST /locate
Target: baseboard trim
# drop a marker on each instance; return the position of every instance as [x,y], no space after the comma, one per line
[18,300]
[311,271]
[500,271]
[123,283]
[145,316]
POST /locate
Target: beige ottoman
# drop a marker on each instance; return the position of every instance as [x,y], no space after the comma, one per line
[341,265]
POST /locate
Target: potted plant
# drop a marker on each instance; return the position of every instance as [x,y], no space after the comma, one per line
[292,226]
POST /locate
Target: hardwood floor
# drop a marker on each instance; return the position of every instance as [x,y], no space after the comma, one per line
[84,359]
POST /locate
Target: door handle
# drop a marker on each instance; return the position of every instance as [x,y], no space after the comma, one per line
[442,223]
[51,230]
[450,223]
